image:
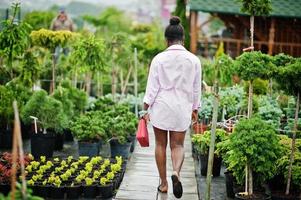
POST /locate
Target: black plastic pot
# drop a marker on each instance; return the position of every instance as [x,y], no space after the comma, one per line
[118,149]
[229,179]
[88,148]
[217,163]
[277,182]
[6,138]
[90,191]
[256,196]
[59,142]
[73,192]
[45,191]
[280,195]
[4,188]
[42,144]
[58,192]
[105,191]
[68,135]
[133,141]
[26,130]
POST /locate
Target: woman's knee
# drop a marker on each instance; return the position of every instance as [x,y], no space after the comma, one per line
[176,144]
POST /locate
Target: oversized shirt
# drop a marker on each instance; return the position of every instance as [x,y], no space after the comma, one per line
[173,88]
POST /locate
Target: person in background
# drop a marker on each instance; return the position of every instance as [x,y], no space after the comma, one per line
[62,22]
[171,101]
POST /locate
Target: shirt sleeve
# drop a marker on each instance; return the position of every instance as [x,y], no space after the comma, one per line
[153,84]
[197,86]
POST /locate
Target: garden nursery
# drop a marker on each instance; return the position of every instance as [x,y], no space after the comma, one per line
[69,103]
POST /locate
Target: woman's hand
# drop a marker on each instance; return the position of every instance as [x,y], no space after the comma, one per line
[194,116]
[143,114]
[146,117]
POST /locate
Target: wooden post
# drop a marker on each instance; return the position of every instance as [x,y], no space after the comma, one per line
[271,36]
[193,31]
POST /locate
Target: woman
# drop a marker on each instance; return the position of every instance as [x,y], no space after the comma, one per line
[172,98]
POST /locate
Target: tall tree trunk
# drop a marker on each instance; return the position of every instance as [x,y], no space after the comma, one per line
[98,84]
[252,30]
[121,79]
[246,179]
[212,142]
[293,146]
[250,180]
[126,80]
[52,85]
[114,82]
[250,100]
[88,83]
[249,177]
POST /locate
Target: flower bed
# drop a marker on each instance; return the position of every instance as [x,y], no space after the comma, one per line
[88,177]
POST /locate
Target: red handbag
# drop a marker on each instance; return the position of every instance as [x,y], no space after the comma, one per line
[142,134]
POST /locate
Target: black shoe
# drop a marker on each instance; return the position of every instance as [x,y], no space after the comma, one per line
[177,186]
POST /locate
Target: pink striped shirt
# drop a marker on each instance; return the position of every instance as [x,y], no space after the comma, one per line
[173,88]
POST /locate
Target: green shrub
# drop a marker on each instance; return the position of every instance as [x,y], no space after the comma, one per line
[89,127]
[48,110]
[254,142]
[259,86]
[202,141]
[283,161]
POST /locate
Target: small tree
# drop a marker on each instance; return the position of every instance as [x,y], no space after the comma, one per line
[254,143]
[288,76]
[50,40]
[89,53]
[249,66]
[13,41]
[253,8]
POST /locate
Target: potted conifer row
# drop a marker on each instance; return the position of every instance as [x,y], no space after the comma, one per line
[51,120]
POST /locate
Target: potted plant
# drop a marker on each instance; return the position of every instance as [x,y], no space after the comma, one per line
[121,123]
[255,144]
[278,182]
[105,188]
[51,120]
[89,131]
[202,142]
[89,188]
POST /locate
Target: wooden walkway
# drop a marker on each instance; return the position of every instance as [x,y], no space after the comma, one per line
[141,178]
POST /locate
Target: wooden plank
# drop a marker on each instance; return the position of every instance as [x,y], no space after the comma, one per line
[141,178]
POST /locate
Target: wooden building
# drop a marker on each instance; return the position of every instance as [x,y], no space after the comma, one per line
[273,34]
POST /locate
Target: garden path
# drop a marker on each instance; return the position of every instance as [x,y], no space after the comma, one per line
[141,178]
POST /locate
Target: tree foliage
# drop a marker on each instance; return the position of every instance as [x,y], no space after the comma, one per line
[89,53]
[51,39]
[256,7]
[251,65]
[254,142]
[39,19]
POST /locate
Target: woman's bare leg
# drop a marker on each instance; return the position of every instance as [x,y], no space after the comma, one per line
[177,150]
[160,154]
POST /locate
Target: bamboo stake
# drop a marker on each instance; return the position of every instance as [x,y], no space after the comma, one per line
[212,142]
[17,143]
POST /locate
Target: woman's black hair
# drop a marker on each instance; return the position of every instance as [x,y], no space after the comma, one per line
[174,31]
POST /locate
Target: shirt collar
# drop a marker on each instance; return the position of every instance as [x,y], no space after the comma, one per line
[176,47]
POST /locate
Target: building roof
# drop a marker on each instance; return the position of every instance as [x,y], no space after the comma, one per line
[281,8]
